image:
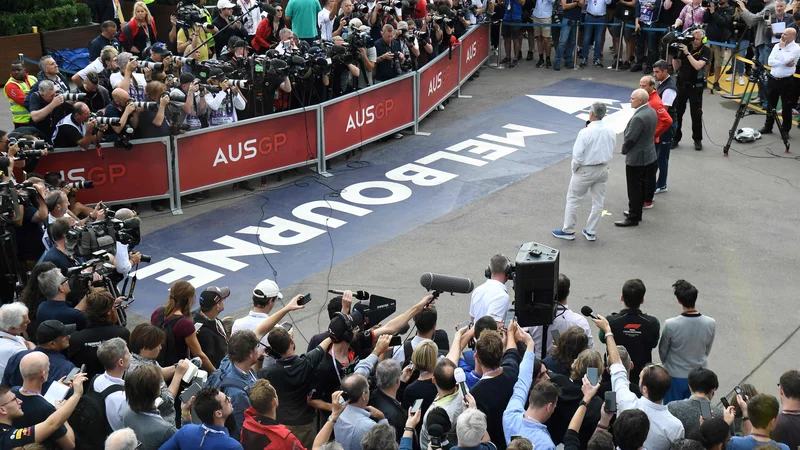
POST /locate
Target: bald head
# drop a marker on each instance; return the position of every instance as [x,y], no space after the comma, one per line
[33,365]
[120,96]
[639,97]
[123,439]
[647,83]
[124,214]
[789,35]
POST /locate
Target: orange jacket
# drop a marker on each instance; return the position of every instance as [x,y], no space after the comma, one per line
[664,119]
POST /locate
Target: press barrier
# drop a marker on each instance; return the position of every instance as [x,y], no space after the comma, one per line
[173,166]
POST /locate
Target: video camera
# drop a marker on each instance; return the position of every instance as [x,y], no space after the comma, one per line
[674,39]
[189,15]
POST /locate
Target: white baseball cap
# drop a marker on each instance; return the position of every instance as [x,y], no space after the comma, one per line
[267,289]
[225,4]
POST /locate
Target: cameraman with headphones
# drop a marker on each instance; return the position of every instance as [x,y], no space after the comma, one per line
[491,298]
[690,66]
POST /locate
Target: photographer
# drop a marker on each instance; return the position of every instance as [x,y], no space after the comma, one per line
[30,226]
[408,45]
[128,78]
[97,97]
[121,106]
[223,105]
[379,17]
[647,14]
[719,17]
[57,254]
[422,42]
[195,105]
[342,73]
[225,8]
[325,19]
[47,108]
[78,129]
[390,55]
[690,66]
[78,209]
[154,123]
[340,23]
[159,53]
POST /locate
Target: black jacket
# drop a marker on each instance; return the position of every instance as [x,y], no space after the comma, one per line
[568,402]
[390,408]
[83,345]
[214,344]
[292,377]
[638,333]
[720,23]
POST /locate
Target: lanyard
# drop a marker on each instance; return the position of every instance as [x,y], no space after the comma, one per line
[337,365]
[208,430]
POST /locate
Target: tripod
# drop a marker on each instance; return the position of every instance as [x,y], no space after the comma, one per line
[759,74]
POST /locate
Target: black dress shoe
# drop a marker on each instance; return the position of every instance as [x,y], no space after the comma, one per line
[627,223]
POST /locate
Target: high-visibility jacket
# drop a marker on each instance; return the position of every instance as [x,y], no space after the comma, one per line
[15,93]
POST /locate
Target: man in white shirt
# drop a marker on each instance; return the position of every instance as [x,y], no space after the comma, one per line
[782,59]
[325,19]
[491,298]
[13,322]
[264,296]
[116,359]
[127,79]
[253,17]
[654,382]
[593,150]
[563,318]
[595,27]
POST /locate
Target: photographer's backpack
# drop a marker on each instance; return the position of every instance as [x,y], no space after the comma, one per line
[89,420]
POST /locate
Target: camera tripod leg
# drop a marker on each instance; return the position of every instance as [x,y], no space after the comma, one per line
[779,123]
[741,111]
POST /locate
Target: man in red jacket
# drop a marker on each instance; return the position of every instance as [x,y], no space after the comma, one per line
[261,431]
[648,83]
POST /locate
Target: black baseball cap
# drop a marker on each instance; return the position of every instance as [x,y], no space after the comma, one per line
[50,330]
[213,295]
[186,77]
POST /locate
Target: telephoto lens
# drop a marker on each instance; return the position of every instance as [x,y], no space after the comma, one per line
[73,97]
[107,120]
[146,258]
[147,106]
[241,84]
[83,184]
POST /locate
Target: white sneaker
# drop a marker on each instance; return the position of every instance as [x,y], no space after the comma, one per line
[741,80]
[729,78]
[440,107]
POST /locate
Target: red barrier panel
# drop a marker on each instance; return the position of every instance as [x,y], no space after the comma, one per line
[352,121]
[474,51]
[438,80]
[223,155]
[120,176]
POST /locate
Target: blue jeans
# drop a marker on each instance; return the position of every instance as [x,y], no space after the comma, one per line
[566,43]
[593,30]
[651,39]
[664,147]
[742,50]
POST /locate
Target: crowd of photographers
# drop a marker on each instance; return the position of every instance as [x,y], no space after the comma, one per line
[73,377]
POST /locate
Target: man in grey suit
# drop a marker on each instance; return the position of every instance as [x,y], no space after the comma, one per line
[640,156]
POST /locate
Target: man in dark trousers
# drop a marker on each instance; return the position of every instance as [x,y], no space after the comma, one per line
[640,156]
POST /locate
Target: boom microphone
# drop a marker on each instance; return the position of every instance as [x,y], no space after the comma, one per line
[446,283]
[360,295]
[587,311]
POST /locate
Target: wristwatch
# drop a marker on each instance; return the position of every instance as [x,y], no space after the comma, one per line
[583,403]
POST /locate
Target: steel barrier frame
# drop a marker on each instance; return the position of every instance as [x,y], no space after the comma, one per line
[477,67]
[418,73]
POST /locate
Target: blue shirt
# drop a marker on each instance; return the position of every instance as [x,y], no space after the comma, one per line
[481,446]
[240,401]
[749,443]
[513,421]
[59,310]
[59,367]
[190,436]
[543,9]
[513,11]
[353,424]
[469,371]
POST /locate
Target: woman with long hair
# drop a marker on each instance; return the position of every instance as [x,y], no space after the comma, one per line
[140,32]
[266,36]
[32,296]
[176,315]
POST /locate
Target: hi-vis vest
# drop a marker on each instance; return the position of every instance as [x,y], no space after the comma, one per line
[21,115]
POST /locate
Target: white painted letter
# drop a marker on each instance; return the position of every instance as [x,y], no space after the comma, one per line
[451,156]
[516,138]
[273,235]
[237,247]
[498,151]
[306,212]
[419,175]
[177,270]
[398,193]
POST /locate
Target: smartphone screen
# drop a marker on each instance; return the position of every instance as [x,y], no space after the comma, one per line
[306,298]
[197,327]
[417,406]
[190,392]
[344,398]
[555,334]
[705,410]
[739,391]
[72,374]
[611,401]
[509,317]
[396,341]
[725,403]
[591,374]
[286,326]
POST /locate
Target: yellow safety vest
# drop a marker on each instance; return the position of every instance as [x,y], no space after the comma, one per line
[19,113]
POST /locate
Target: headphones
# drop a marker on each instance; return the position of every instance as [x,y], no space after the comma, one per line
[349,334]
[509,270]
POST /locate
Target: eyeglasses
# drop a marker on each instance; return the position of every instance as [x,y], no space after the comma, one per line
[13,399]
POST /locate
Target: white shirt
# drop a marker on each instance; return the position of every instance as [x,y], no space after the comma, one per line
[594,145]
[490,299]
[94,66]
[669,95]
[254,16]
[123,260]
[664,427]
[10,345]
[282,49]
[114,402]
[564,318]
[136,92]
[779,58]
[399,352]
[250,322]
[325,25]
[597,8]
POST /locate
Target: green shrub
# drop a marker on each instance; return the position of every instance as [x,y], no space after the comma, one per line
[48,15]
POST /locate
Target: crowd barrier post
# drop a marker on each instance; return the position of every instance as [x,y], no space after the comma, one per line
[119,175]
[321,166]
[174,198]
[417,132]
[222,155]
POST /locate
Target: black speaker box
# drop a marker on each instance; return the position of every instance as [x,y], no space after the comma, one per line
[535,284]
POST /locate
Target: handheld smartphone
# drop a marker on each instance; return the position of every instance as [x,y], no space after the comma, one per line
[74,372]
[555,334]
[197,327]
[417,405]
[725,403]
[410,366]
[286,326]
[509,317]
[190,392]
[591,374]
[305,299]
[705,410]
[515,436]
[611,402]
[739,391]
[436,442]
[396,341]
[344,398]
